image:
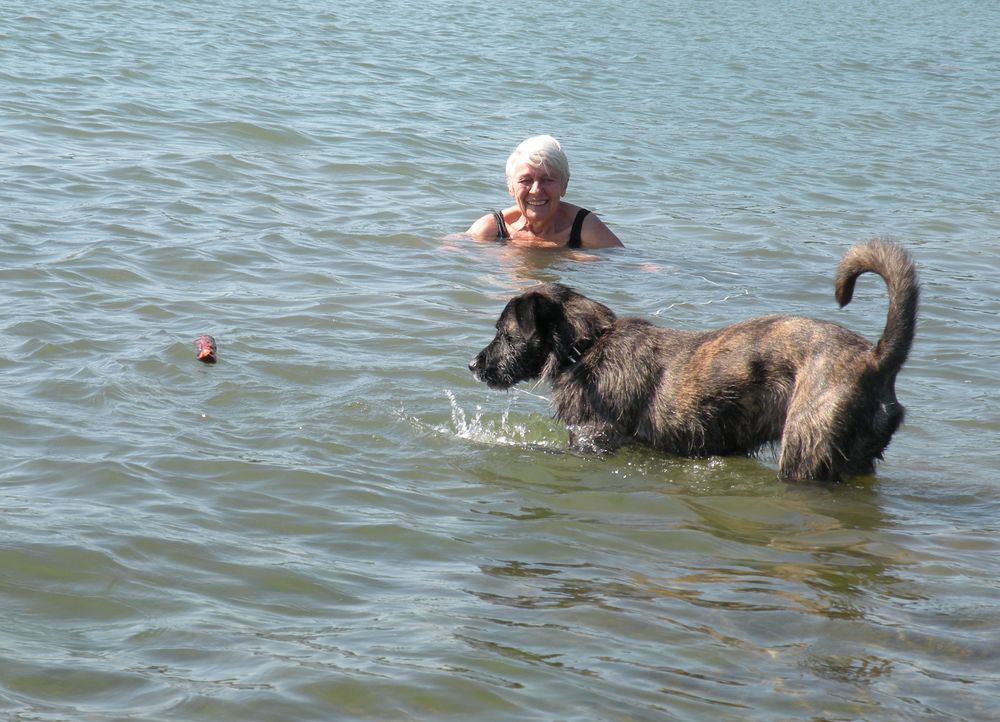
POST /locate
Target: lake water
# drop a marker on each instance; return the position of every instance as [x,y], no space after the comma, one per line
[336,521]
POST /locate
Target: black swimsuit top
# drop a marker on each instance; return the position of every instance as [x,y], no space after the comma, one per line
[575,239]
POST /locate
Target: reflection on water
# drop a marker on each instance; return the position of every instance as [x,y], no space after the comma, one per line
[797,576]
[787,554]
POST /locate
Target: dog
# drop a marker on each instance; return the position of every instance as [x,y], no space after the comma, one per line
[821,393]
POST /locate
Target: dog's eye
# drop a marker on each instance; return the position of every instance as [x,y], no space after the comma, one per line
[507,336]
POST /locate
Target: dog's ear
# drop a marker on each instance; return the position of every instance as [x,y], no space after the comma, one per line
[587,319]
[536,313]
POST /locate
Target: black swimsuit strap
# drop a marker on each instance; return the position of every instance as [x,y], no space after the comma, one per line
[502,233]
[575,239]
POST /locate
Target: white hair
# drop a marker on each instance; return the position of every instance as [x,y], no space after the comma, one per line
[540,151]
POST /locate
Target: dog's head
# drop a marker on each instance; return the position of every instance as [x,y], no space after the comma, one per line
[540,333]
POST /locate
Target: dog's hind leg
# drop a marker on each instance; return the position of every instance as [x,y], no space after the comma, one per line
[811,447]
[806,456]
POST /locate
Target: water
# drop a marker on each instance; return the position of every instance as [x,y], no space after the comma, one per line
[336,521]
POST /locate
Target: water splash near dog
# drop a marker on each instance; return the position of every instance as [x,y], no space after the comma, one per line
[509,429]
[506,427]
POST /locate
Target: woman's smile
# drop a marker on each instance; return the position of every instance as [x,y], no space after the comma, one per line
[537,192]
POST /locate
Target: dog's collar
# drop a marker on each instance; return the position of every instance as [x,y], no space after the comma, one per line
[576,352]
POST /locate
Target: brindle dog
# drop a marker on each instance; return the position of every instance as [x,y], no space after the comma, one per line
[820,391]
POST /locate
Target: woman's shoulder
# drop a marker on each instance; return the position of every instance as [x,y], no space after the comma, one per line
[596,234]
[484,228]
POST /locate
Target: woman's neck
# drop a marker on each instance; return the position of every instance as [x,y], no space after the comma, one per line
[548,230]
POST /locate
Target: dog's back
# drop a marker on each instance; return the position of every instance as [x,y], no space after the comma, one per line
[820,391]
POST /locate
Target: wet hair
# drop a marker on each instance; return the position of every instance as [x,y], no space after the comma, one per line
[540,151]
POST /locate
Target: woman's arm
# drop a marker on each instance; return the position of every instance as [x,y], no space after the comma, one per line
[484,229]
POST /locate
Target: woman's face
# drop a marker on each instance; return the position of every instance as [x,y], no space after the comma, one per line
[536,191]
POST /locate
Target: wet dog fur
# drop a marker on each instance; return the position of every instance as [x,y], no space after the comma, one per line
[821,393]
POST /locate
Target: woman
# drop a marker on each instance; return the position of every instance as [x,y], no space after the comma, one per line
[537,176]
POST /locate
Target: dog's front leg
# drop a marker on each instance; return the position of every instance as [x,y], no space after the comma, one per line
[594,438]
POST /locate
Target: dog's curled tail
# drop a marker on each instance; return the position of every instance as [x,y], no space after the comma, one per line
[898,271]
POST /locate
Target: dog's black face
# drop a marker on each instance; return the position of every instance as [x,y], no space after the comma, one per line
[540,334]
[522,344]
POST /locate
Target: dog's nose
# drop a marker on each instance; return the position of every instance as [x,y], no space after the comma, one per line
[473,364]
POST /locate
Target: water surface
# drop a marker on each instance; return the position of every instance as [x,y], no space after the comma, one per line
[336,521]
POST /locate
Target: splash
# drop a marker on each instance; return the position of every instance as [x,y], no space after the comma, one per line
[484,426]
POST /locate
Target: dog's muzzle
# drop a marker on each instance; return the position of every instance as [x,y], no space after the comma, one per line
[484,373]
